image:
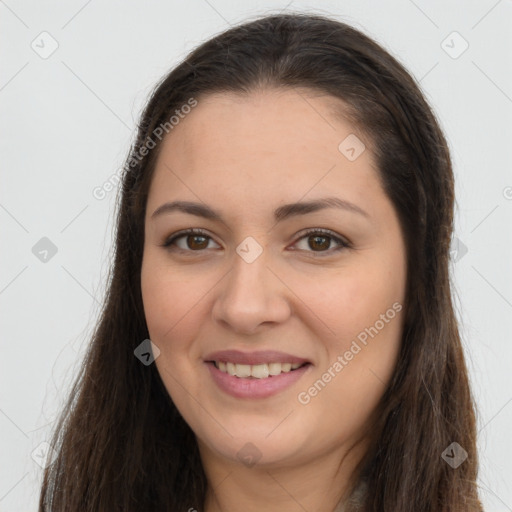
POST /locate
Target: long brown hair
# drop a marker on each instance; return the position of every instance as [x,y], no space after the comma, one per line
[122,444]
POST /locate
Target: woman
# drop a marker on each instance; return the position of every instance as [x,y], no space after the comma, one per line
[283,240]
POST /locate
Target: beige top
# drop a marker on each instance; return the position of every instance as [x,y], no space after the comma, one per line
[356,500]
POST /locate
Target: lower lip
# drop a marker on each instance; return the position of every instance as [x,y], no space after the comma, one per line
[255,388]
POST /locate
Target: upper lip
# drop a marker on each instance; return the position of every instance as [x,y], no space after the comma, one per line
[252,358]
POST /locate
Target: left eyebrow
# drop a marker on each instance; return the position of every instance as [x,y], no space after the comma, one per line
[302,208]
[281,213]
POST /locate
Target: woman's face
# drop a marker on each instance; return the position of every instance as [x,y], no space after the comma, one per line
[271,284]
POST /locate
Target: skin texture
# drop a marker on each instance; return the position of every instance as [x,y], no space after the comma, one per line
[245,156]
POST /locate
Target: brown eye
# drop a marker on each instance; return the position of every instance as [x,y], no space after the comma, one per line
[320,241]
[197,241]
[192,240]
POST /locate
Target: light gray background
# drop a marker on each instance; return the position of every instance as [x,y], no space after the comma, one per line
[67,122]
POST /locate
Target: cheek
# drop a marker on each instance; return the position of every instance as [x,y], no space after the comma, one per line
[351,382]
[362,309]
[168,297]
[159,302]
[176,304]
[343,304]
[371,328]
[171,307]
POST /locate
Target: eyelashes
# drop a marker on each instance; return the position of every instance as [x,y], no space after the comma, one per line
[318,234]
[170,242]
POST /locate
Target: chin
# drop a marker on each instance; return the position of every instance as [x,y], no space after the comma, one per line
[256,446]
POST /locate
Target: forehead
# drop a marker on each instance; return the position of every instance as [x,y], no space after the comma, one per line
[235,124]
[261,146]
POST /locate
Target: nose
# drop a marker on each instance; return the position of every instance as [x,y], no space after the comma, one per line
[251,295]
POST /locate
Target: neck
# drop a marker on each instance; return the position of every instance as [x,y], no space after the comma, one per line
[314,485]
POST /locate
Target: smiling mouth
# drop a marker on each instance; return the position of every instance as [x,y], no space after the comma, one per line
[256,371]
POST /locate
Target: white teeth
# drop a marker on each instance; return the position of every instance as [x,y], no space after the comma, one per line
[243,370]
[258,371]
[274,368]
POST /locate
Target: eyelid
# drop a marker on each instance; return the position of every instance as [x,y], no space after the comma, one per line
[343,243]
[184,232]
[324,231]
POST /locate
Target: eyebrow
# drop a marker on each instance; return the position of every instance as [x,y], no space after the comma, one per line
[281,213]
